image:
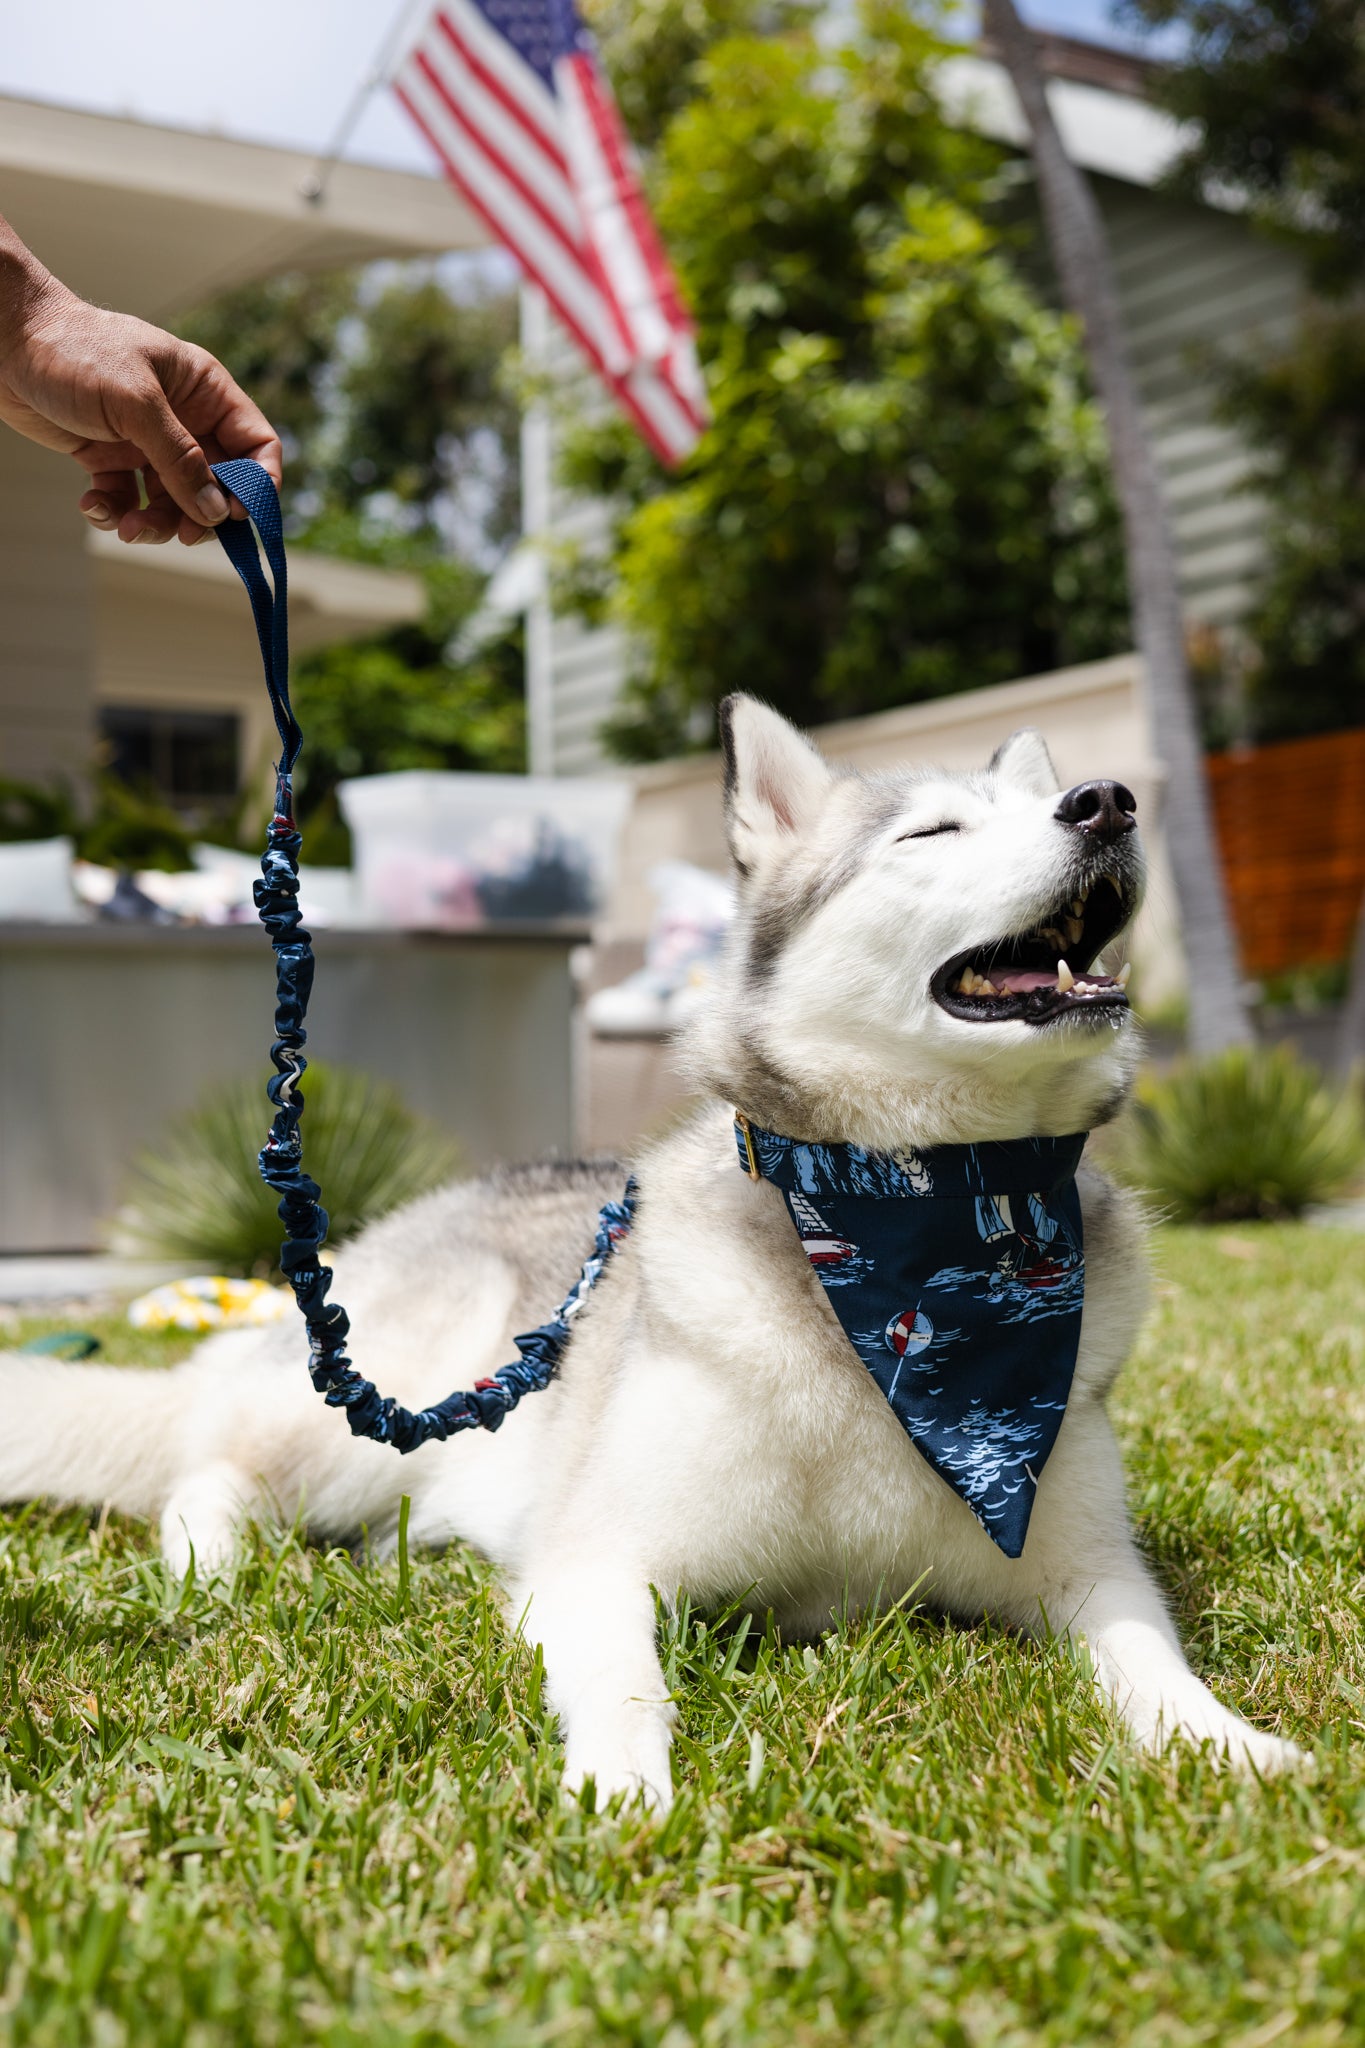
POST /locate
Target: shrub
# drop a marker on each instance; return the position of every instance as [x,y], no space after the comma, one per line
[122,828]
[201,1198]
[1242,1135]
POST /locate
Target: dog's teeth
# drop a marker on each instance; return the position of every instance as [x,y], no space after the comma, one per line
[1050,931]
[1121,978]
[1065,978]
[1077,905]
[1074,928]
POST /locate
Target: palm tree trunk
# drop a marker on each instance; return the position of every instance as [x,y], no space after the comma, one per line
[1351,1028]
[1075,232]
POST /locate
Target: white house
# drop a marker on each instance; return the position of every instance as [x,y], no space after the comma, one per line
[152,649]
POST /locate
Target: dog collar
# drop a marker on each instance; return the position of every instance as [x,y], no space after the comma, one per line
[958,1276]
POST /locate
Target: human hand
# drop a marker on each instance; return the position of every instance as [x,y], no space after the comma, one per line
[122,396]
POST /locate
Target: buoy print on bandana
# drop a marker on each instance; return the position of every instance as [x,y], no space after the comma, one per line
[909,1333]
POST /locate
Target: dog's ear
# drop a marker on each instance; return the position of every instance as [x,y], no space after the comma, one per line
[775,782]
[1024,761]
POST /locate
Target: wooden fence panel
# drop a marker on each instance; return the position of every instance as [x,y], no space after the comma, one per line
[1291,827]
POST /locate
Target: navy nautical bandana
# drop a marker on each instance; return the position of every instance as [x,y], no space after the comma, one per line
[958,1275]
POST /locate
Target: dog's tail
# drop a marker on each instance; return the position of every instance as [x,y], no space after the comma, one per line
[89,1433]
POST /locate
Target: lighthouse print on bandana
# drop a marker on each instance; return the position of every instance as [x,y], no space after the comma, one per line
[958,1275]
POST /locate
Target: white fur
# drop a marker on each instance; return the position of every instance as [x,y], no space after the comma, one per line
[712,1433]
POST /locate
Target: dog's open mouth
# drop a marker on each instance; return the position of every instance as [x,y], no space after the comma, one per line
[1043,974]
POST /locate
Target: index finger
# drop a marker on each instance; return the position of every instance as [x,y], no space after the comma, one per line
[242,429]
[229,423]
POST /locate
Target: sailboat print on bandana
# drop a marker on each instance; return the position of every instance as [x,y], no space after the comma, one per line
[958,1276]
[1038,1269]
[834,1258]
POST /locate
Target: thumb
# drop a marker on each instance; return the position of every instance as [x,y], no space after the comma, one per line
[177,458]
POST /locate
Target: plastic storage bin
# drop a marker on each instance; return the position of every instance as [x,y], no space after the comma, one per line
[446,852]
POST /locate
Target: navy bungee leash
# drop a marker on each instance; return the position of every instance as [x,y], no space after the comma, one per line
[281,1160]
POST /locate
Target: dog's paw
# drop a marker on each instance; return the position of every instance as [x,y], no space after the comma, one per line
[627,1758]
[1234,1744]
[1248,1749]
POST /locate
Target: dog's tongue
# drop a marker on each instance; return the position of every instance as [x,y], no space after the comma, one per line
[1018,981]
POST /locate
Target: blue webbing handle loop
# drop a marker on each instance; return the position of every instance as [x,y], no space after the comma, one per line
[255,489]
[281,1160]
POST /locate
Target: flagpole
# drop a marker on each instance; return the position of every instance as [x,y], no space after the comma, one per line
[314,186]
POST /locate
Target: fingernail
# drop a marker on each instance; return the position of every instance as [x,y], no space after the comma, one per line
[200,538]
[145,537]
[212,505]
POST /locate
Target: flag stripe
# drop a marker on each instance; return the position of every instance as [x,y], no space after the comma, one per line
[550,198]
[548,168]
[605,121]
[501,194]
[652,404]
[461,62]
[607,226]
[574,298]
[461,21]
[646,401]
[550,194]
[604,181]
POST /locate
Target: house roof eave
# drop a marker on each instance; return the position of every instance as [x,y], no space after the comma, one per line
[152,219]
[1106,130]
[329,599]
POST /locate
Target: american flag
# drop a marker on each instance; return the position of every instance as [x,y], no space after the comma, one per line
[510,95]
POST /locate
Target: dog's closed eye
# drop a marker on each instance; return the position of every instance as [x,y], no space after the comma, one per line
[930,831]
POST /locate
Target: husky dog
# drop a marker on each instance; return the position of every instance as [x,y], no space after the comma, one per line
[913,965]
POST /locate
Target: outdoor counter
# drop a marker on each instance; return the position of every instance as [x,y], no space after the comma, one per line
[109,1032]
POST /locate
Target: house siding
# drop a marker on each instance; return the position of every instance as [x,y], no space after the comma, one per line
[1195,284]
[46,602]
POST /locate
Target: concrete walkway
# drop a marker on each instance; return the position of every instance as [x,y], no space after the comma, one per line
[1337,1215]
[37,1280]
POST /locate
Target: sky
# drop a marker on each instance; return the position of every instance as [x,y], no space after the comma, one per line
[264,70]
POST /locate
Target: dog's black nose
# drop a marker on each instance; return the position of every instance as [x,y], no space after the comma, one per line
[1104,809]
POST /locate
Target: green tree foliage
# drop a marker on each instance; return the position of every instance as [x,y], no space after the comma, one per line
[653,49]
[133,828]
[426,695]
[120,827]
[903,490]
[401,444]
[425,414]
[385,389]
[31,811]
[281,339]
[1305,413]
[1275,90]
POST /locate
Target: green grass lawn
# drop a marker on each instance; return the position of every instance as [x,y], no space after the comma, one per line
[325,1809]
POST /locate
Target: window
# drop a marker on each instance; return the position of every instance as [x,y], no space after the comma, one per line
[191,758]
